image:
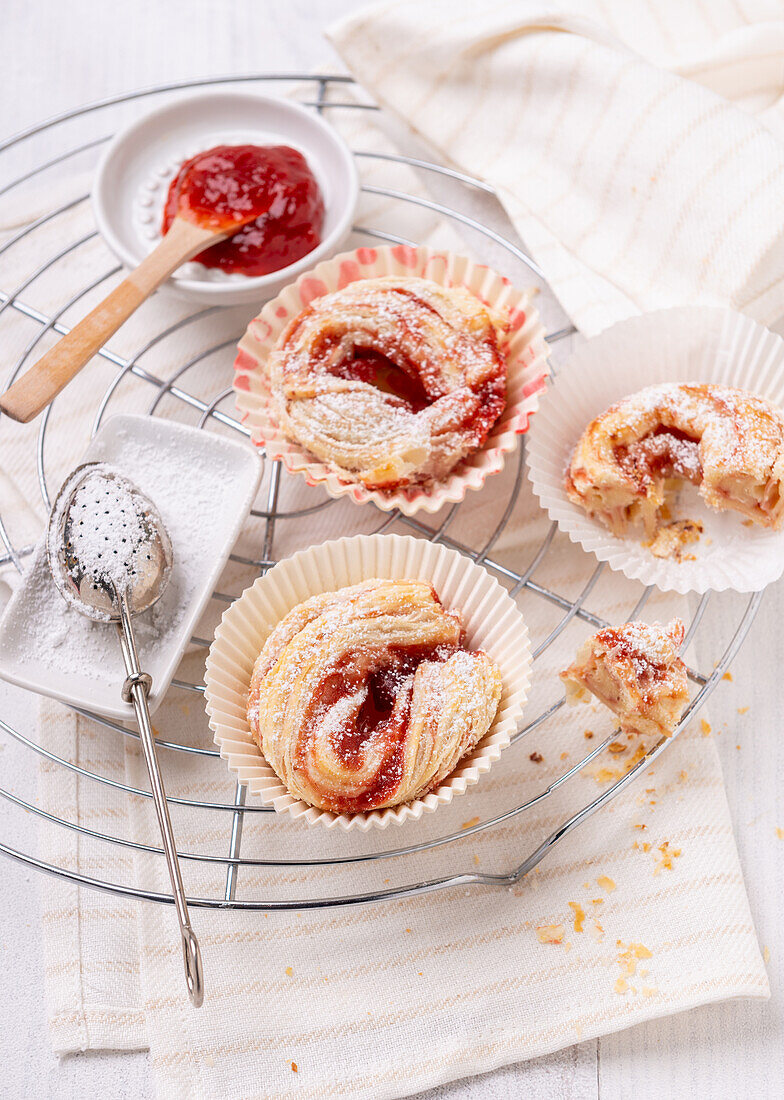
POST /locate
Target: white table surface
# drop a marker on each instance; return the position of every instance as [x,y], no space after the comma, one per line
[56,55]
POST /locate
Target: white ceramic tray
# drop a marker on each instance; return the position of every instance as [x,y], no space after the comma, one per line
[203,486]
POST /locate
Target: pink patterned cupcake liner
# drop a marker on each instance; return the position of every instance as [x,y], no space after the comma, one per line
[527,370]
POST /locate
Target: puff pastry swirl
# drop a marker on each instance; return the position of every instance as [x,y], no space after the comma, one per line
[364,697]
[391,381]
[728,442]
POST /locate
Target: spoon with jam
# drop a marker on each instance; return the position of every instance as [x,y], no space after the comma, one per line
[247,208]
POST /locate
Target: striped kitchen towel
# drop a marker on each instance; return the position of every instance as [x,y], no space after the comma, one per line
[637,147]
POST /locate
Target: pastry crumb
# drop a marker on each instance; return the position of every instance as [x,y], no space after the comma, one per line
[668,854]
[743,710]
[705,727]
[476,859]
[621,985]
[588,735]
[294,1067]
[564,755]
[550,933]
[579,915]
[597,931]
[616,747]
[766,954]
[779,833]
[606,883]
[671,539]
[536,757]
[470,823]
[629,955]
[727,676]
[289,971]
[606,775]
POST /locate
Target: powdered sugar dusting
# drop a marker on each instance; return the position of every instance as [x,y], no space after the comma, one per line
[666,454]
[649,646]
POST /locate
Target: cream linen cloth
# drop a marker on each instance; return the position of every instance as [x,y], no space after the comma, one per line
[387,1000]
[637,146]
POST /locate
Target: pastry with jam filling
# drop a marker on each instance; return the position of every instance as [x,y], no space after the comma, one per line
[392,381]
[367,697]
[726,442]
[636,672]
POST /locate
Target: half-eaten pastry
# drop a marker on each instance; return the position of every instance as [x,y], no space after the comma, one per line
[727,442]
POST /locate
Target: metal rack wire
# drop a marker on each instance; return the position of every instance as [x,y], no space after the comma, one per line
[272,514]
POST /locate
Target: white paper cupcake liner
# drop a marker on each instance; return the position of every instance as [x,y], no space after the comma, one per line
[688,344]
[492,622]
[527,370]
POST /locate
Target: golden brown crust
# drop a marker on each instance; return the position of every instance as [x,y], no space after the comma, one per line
[727,442]
[365,698]
[391,381]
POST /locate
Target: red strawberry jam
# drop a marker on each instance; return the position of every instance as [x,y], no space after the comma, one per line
[271,184]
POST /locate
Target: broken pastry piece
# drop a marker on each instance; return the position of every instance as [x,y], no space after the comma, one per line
[726,442]
[634,670]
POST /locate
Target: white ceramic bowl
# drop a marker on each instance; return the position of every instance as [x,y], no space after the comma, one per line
[135,171]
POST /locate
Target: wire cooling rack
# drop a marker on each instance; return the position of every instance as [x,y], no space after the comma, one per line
[48,148]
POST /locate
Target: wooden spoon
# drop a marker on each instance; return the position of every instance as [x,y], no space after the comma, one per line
[41,384]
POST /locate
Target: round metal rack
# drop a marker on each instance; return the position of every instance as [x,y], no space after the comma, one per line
[32,152]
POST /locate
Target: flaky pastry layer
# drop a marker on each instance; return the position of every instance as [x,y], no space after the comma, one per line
[365,697]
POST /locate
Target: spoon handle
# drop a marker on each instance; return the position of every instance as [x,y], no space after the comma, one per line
[42,382]
[135,690]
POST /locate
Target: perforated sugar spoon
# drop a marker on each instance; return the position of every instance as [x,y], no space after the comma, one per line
[111,558]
